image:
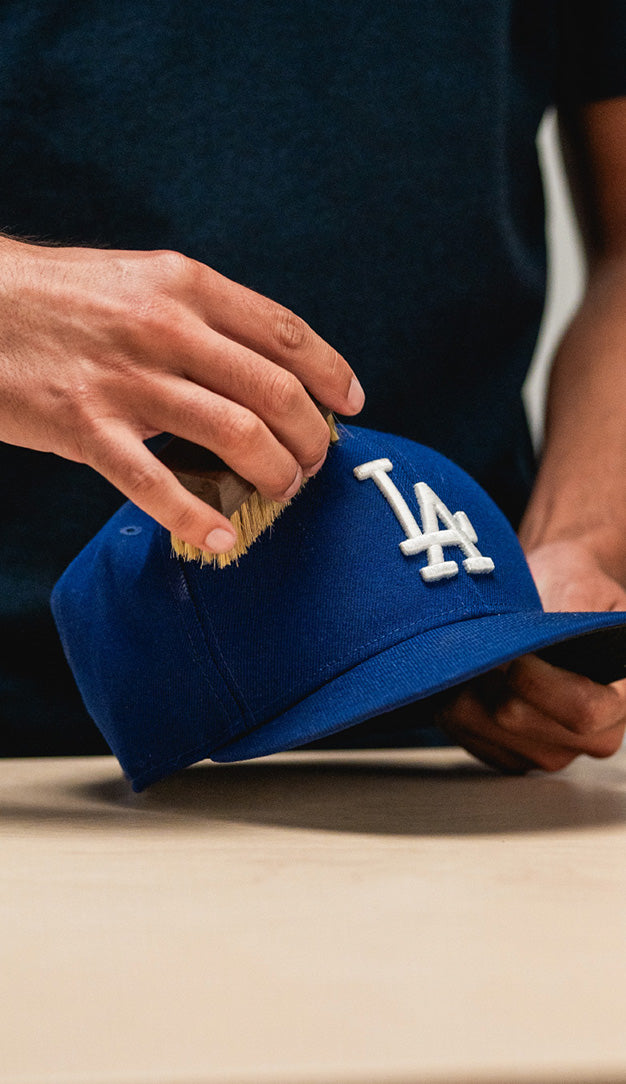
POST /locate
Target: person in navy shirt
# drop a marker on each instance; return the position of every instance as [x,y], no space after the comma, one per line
[212,212]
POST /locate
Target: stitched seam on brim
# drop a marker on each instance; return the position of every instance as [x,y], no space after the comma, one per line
[411,629]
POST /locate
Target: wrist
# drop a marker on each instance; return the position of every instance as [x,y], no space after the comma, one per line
[604,543]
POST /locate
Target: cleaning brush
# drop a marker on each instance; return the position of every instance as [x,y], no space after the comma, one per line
[205,475]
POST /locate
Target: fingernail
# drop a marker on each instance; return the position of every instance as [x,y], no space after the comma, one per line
[294,487]
[220,540]
[310,471]
[356,395]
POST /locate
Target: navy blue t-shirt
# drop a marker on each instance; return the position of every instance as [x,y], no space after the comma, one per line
[371,166]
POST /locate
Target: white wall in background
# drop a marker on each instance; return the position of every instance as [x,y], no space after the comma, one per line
[566,270]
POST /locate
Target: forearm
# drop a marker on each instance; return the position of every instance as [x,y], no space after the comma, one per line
[580,492]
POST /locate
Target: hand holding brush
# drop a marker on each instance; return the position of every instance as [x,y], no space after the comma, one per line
[206,476]
[105,348]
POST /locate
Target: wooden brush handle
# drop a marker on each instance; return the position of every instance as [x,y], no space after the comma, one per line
[204,474]
[208,477]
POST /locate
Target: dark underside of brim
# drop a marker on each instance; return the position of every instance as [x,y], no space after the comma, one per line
[599,655]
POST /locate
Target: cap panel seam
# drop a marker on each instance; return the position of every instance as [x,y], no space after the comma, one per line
[214,649]
[177,574]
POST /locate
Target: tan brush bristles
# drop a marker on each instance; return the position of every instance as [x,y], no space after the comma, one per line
[255,515]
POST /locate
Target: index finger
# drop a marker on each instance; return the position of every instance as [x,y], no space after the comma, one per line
[581,705]
[125,461]
[280,335]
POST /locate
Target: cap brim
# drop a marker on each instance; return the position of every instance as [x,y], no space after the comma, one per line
[593,644]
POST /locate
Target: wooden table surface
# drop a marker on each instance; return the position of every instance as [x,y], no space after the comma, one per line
[313,918]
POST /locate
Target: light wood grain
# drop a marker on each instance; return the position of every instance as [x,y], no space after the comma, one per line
[313,918]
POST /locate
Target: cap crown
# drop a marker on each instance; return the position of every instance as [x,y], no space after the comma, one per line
[337,579]
[388,540]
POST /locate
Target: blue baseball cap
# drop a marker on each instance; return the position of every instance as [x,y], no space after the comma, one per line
[390,577]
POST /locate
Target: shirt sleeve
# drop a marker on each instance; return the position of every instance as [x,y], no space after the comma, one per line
[593,50]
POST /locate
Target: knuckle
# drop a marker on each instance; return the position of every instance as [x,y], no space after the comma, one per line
[590,714]
[241,428]
[511,715]
[280,483]
[282,392]
[317,450]
[290,331]
[171,265]
[608,745]
[150,316]
[147,480]
[81,402]
[183,522]
[336,369]
[554,760]
[83,424]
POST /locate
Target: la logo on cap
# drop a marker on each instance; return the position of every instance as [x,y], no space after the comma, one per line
[430,539]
